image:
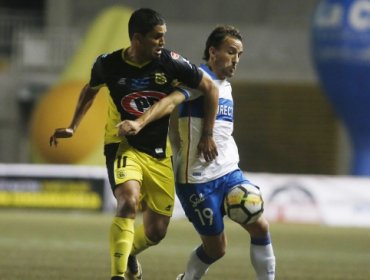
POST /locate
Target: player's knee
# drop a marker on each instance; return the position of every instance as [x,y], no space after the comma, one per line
[156,233]
[215,249]
[155,225]
[127,196]
[127,207]
[216,252]
[258,228]
[262,225]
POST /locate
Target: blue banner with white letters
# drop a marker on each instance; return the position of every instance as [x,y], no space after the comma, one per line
[341,55]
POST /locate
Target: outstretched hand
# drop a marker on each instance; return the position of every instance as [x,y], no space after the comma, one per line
[60,133]
[128,127]
[207,148]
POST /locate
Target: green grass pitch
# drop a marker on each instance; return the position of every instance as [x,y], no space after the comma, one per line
[36,245]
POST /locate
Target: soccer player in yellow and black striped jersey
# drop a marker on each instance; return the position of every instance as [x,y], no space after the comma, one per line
[139,166]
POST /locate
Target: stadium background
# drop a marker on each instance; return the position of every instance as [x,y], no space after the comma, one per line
[290,141]
[283,121]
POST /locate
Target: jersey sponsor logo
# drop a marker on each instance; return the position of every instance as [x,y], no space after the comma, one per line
[138,84]
[225,110]
[137,103]
[160,78]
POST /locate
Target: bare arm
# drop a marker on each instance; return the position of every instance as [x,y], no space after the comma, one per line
[161,108]
[207,145]
[84,103]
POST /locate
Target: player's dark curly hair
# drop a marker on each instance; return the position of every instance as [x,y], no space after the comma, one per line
[143,21]
[218,35]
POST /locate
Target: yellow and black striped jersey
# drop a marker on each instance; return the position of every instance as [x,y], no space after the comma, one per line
[134,88]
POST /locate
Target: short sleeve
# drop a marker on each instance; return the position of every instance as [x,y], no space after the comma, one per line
[97,74]
[186,72]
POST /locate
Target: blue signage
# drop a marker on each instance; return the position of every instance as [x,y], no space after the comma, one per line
[341,55]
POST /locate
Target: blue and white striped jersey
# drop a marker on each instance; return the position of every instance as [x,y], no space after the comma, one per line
[190,167]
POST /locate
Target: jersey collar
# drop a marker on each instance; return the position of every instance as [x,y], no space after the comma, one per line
[206,69]
[133,63]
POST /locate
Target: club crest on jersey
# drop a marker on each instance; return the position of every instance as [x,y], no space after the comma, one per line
[160,78]
[120,174]
[137,103]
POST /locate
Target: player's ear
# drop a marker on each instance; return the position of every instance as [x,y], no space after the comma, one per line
[138,37]
[212,51]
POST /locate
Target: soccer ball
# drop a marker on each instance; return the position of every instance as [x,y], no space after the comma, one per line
[244,204]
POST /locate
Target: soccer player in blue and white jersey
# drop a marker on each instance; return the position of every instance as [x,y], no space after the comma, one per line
[202,185]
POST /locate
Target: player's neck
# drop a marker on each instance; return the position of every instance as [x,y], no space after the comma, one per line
[219,77]
[132,55]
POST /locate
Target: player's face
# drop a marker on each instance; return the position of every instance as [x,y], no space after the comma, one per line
[225,59]
[153,42]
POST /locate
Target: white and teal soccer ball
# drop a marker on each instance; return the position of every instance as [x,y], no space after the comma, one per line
[244,204]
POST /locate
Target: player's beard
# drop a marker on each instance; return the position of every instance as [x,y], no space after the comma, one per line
[230,71]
